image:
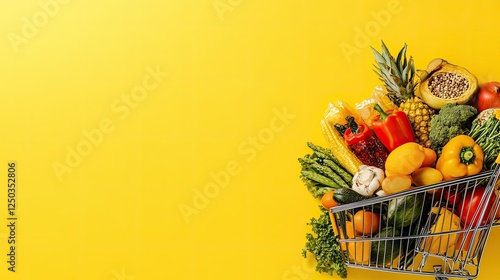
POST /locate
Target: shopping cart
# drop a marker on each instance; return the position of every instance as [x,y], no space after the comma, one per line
[418,231]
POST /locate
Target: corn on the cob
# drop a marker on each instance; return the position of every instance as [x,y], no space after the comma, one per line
[340,149]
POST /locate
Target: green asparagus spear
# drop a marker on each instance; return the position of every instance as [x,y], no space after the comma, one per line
[320,178]
[324,170]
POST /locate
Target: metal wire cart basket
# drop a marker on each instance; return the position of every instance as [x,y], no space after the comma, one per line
[419,232]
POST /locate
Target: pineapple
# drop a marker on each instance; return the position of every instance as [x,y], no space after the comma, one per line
[398,76]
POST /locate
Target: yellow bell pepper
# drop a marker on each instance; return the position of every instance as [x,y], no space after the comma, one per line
[446,221]
[460,157]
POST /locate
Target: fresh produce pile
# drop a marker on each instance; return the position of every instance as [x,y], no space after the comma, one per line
[421,127]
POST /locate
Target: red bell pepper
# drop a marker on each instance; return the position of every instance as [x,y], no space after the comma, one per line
[392,128]
[356,132]
[475,202]
[364,144]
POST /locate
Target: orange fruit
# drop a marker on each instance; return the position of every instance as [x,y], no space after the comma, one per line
[366,222]
[430,157]
[327,200]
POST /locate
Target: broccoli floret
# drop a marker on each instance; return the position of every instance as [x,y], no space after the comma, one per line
[452,120]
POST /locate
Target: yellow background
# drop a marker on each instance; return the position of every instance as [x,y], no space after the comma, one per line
[233,67]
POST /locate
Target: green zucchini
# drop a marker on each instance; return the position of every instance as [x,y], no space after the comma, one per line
[385,251]
[346,196]
[405,210]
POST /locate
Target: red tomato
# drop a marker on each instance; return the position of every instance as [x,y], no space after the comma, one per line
[470,204]
[497,214]
[452,195]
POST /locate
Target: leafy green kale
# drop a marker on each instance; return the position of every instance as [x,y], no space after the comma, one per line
[452,120]
[325,246]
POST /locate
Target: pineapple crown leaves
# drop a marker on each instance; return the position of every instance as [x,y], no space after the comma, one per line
[397,74]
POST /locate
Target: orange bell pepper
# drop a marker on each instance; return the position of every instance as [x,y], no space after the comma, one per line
[460,157]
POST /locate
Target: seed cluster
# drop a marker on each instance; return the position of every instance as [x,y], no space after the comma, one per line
[448,85]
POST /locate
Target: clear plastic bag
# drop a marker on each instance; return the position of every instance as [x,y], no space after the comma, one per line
[365,107]
[338,110]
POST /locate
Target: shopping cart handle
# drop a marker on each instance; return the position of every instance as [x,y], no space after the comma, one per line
[438,270]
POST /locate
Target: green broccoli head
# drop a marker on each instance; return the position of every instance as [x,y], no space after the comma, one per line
[452,120]
[441,134]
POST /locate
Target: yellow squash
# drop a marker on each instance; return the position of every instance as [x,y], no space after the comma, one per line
[442,83]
